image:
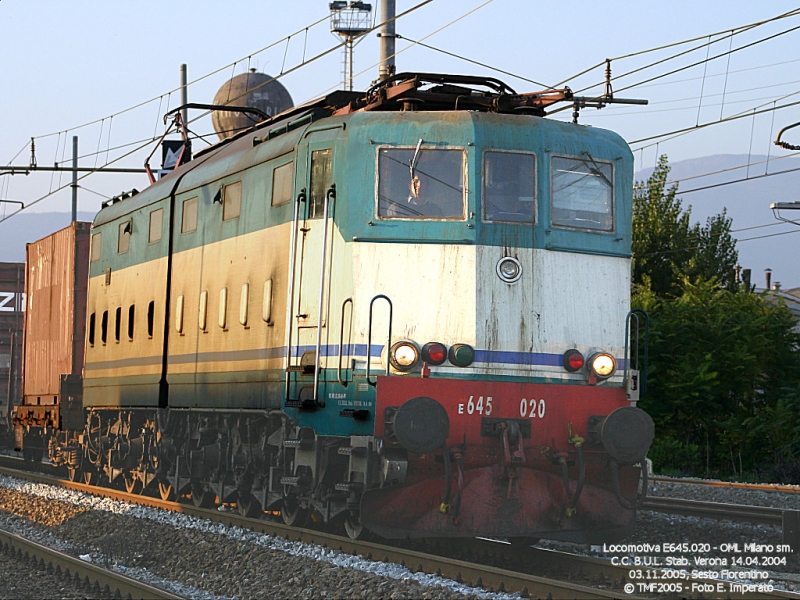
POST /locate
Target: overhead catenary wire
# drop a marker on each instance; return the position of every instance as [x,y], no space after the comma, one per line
[749,26]
[699,246]
[108,162]
[645,185]
[475,62]
[199,79]
[684,130]
[342,44]
[81,178]
[442,28]
[697,63]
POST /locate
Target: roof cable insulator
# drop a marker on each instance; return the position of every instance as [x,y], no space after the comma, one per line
[33,153]
[608,92]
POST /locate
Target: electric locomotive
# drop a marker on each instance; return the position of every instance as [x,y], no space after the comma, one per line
[404,310]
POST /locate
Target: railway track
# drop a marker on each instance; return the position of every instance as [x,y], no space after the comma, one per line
[486,576]
[739,513]
[97,581]
[761,487]
[493,565]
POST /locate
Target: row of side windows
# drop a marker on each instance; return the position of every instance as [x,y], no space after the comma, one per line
[222,316]
[117,324]
[230,196]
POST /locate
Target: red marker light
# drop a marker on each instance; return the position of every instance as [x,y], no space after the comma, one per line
[573,360]
[434,353]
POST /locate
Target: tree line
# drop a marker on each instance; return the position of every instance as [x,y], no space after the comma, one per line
[724,368]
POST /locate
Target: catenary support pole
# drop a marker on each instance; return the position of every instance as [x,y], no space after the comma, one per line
[184,95]
[387,66]
[74,185]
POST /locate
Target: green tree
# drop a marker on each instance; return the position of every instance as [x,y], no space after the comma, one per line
[721,363]
[666,246]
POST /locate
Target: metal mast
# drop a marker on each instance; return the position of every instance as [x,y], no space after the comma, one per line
[350,20]
[387,36]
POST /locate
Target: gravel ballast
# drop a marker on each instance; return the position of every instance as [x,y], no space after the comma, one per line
[207,557]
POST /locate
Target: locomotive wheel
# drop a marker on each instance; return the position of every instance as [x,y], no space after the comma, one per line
[249,506]
[354,529]
[202,497]
[132,484]
[165,491]
[88,477]
[73,473]
[292,514]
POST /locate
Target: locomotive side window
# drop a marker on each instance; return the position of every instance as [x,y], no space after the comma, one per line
[509,184]
[131,321]
[189,218]
[117,323]
[97,246]
[151,314]
[104,328]
[156,225]
[232,201]
[582,194]
[421,183]
[92,319]
[282,183]
[320,181]
[124,241]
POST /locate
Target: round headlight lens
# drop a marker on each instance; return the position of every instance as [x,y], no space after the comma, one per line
[603,365]
[404,356]
[509,269]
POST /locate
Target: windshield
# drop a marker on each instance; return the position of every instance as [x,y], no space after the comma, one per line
[582,194]
[420,183]
[509,183]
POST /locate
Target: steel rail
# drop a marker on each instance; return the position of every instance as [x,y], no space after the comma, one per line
[740,513]
[486,577]
[761,487]
[594,569]
[91,576]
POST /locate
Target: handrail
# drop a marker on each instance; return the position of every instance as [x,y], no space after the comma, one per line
[341,338]
[329,196]
[628,319]
[301,197]
[369,336]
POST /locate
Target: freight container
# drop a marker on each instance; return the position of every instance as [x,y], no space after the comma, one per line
[12,286]
[56,279]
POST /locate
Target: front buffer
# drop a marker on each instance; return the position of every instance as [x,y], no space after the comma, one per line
[505,459]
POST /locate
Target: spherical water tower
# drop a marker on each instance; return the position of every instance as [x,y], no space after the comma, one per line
[252,89]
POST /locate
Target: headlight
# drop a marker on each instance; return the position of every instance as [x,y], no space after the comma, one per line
[602,365]
[404,355]
[509,269]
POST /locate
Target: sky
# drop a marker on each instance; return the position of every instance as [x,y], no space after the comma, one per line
[66,63]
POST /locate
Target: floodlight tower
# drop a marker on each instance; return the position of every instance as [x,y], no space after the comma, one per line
[350,20]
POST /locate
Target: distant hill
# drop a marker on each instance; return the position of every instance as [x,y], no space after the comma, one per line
[748,205]
[28,227]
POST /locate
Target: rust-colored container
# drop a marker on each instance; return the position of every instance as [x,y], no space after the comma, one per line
[56,280]
[12,287]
